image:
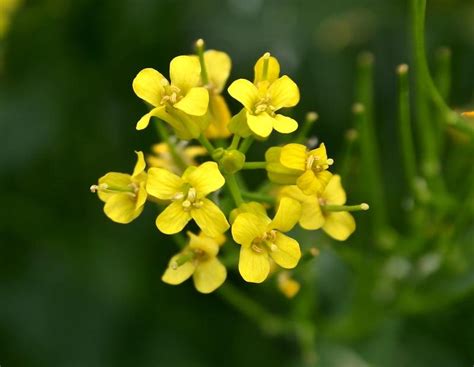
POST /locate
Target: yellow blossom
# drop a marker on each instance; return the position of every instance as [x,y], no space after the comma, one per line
[287,285]
[124,195]
[262,238]
[182,103]
[188,198]
[264,97]
[198,259]
[162,157]
[295,164]
[218,65]
[337,224]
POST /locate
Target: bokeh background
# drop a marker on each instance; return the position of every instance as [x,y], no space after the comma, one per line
[79,290]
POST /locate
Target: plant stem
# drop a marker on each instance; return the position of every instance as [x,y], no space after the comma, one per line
[268,322]
[258,197]
[234,189]
[311,118]
[345,208]
[165,137]
[248,141]
[200,52]
[365,124]
[206,144]
[235,142]
[255,165]
[404,126]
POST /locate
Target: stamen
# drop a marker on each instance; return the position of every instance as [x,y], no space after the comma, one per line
[257,248]
[273,247]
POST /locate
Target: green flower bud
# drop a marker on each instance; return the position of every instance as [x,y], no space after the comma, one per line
[232,161]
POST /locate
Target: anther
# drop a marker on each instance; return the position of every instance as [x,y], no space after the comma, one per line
[273,247]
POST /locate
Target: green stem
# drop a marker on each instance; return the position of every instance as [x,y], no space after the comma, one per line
[248,141]
[404,126]
[310,119]
[255,165]
[255,196]
[428,149]
[165,137]
[235,142]
[443,83]
[234,189]
[200,52]
[365,124]
[268,322]
[350,137]
[370,171]
[206,144]
[345,208]
[418,8]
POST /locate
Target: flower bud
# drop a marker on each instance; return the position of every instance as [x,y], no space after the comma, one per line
[232,161]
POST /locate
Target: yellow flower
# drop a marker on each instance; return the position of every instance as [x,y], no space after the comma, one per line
[294,163]
[188,198]
[162,157]
[218,65]
[287,285]
[264,97]
[124,195]
[198,259]
[468,114]
[182,104]
[339,225]
[261,239]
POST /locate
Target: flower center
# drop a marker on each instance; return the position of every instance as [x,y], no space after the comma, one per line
[172,95]
[317,164]
[264,105]
[190,199]
[265,242]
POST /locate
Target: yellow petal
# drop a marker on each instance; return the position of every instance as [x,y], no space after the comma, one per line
[185,126]
[284,93]
[185,72]
[195,102]
[180,274]
[149,86]
[320,152]
[253,266]
[204,243]
[121,208]
[273,71]
[209,275]
[205,178]
[261,124]
[141,196]
[113,179]
[313,184]
[287,215]
[334,194]
[238,124]
[247,227]
[288,253]
[140,165]
[173,219]
[163,184]
[294,156]
[220,118]
[210,218]
[339,225]
[284,124]
[218,65]
[250,207]
[245,92]
[311,216]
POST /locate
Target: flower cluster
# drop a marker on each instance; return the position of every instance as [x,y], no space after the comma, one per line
[200,187]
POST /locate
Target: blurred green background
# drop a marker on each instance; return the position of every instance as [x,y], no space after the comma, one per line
[79,290]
